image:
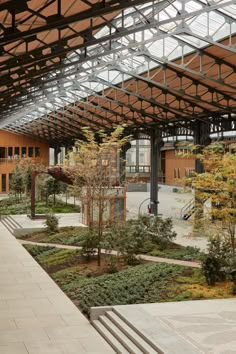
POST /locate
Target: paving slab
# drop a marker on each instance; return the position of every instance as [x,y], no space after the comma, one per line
[191,327]
[36,317]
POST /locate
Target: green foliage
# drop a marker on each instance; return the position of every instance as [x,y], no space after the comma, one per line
[129,286]
[160,231]
[17,181]
[89,242]
[131,238]
[112,265]
[37,250]
[51,186]
[51,223]
[233,289]
[187,253]
[14,206]
[140,235]
[51,256]
[216,263]
[221,249]
[73,236]
[211,269]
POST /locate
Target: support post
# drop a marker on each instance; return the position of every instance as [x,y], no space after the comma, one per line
[201,139]
[57,150]
[122,162]
[155,146]
[137,157]
[33,177]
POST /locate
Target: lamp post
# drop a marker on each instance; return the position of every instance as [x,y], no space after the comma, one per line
[142,204]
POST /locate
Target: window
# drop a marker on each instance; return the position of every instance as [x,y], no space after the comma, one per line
[10,180]
[17,153]
[175,174]
[37,151]
[141,158]
[31,151]
[178,172]
[2,152]
[4,183]
[189,172]
[23,151]
[9,153]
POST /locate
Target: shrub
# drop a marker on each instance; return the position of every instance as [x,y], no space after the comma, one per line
[89,243]
[130,237]
[157,230]
[217,264]
[211,268]
[221,249]
[233,289]
[51,223]
[112,265]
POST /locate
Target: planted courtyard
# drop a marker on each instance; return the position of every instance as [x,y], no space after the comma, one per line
[88,284]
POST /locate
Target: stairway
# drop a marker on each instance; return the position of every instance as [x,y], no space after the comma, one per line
[123,338]
[10,223]
[189,209]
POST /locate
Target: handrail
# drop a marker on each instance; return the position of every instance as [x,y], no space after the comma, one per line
[187,206]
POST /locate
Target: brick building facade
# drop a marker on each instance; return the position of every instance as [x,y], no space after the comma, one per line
[15,147]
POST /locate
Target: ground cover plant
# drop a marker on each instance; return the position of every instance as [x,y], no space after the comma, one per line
[175,251]
[88,284]
[14,206]
[76,236]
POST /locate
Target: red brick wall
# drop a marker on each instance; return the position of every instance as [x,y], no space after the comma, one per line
[178,164]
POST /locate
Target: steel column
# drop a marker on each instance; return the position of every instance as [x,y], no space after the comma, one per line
[201,139]
[155,140]
[122,162]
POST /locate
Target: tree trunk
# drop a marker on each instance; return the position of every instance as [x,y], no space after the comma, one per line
[99,256]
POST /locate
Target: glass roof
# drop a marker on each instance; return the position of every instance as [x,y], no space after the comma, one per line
[168,29]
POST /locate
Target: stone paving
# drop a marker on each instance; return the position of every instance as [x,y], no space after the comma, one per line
[64,219]
[186,327]
[36,317]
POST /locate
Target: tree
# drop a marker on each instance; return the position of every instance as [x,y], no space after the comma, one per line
[94,172]
[16,183]
[52,187]
[218,183]
[21,178]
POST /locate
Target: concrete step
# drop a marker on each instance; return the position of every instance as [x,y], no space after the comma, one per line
[14,222]
[105,333]
[10,224]
[156,349]
[7,226]
[130,333]
[119,335]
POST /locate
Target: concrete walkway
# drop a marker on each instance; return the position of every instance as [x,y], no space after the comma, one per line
[186,327]
[36,317]
[142,256]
